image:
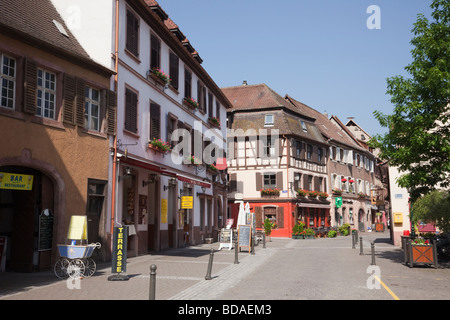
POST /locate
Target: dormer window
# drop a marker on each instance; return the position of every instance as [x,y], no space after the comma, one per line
[304,126]
[268,120]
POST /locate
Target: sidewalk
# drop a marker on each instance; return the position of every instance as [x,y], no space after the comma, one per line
[180,275]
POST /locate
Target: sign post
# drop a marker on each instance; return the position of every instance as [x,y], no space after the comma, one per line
[119,254]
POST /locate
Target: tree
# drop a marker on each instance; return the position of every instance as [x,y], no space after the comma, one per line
[418,141]
[433,208]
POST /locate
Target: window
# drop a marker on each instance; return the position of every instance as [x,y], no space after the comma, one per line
[298,148]
[131,101]
[155,121]
[217,109]
[268,120]
[304,126]
[173,70]
[187,84]
[201,96]
[92,109]
[270,181]
[8,81]
[268,149]
[320,154]
[309,151]
[310,183]
[95,201]
[155,52]
[132,40]
[210,104]
[46,94]
[171,126]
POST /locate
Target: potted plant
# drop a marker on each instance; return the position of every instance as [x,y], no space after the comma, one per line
[194,160]
[159,145]
[309,233]
[313,194]
[332,234]
[297,230]
[421,251]
[267,228]
[323,195]
[337,191]
[361,195]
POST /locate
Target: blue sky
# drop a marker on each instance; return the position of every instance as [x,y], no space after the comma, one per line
[320,52]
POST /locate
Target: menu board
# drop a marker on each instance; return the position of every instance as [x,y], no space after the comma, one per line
[244,236]
[45,230]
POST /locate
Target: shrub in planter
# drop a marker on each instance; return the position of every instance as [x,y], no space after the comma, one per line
[332,234]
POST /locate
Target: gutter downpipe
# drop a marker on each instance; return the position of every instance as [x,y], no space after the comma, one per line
[116,77]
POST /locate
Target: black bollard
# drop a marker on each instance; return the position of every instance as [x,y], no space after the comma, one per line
[264,240]
[253,245]
[236,253]
[372,245]
[208,274]
[361,246]
[353,241]
[152,293]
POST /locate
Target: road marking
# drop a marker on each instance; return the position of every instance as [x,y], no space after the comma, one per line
[387,288]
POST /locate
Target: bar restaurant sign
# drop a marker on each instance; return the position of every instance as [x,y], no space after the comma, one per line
[15,181]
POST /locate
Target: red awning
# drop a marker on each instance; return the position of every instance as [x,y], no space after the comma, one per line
[147,166]
[194,181]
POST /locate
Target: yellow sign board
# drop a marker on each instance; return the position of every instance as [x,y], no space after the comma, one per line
[16,181]
[77,228]
[163,210]
[187,202]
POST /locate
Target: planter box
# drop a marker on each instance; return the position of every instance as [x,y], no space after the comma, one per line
[421,255]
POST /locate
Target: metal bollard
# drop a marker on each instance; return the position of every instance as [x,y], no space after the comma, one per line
[208,274]
[361,246]
[236,260]
[372,245]
[353,241]
[152,293]
[264,240]
[253,245]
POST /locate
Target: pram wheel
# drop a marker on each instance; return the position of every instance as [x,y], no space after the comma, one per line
[61,267]
[76,269]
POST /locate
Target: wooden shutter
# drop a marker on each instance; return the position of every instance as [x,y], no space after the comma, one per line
[79,101]
[233,182]
[280,217]
[155,52]
[258,217]
[174,62]
[316,185]
[155,121]
[30,87]
[259,181]
[130,111]
[111,108]
[69,99]
[132,33]
[279,180]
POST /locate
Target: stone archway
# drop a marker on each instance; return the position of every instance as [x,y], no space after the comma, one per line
[26,162]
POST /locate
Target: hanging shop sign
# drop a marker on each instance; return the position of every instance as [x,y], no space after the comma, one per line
[187,202]
[16,181]
[338,202]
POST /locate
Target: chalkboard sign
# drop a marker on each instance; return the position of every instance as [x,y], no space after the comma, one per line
[45,230]
[244,236]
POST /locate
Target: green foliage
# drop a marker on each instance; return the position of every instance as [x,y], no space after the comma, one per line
[267,227]
[298,228]
[344,229]
[433,208]
[332,234]
[418,141]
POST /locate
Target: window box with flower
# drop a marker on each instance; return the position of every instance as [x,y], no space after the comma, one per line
[159,145]
[193,160]
[269,192]
[302,193]
[361,195]
[337,191]
[191,103]
[160,76]
[214,121]
[421,251]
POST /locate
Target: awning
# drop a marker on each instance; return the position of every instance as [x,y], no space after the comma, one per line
[313,205]
[145,165]
[194,181]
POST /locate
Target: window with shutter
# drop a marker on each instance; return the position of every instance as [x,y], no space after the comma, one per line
[155,52]
[46,94]
[173,70]
[7,81]
[131,100]
[187,84]
[155,121]
[132,33]
[69,99]
[111,108]
[30,87]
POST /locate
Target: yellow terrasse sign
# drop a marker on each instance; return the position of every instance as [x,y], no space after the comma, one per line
[15,181]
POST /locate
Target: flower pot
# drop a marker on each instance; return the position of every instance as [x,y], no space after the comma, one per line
[418,254]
